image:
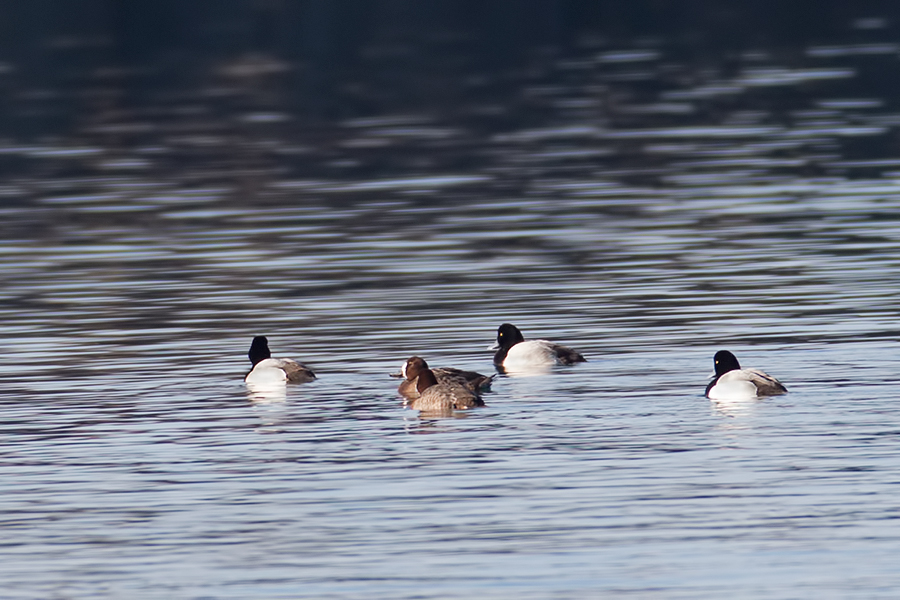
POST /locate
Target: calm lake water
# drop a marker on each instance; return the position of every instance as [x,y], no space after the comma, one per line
[642,205]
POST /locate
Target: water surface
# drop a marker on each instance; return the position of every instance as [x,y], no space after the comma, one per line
[626,200]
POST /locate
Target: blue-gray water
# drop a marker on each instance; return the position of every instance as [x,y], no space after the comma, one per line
[643,208]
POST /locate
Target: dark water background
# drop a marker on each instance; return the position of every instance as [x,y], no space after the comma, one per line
[646,182]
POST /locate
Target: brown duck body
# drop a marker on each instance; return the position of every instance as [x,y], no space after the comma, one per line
[445,397]
[474,382]
[439,396]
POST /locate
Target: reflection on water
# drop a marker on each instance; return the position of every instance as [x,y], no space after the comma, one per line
[267,393]
[736,408]
[628,199]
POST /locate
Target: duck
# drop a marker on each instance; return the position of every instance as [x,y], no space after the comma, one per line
[474,382]
[438,396]
[731,382]
[514,353]
[274,370]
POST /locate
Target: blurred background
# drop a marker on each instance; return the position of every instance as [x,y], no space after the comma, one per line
[238,152]
[95,67]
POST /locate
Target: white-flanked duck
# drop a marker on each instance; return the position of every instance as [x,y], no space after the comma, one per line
[515,353]
[267,370]
[731,382]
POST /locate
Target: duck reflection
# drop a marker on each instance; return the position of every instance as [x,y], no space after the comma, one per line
[426,422]
[736,408]
[267,393]
[269,401]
